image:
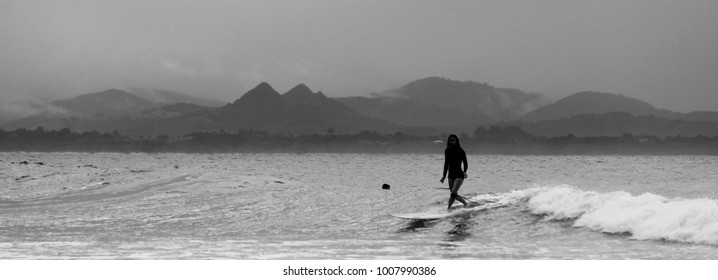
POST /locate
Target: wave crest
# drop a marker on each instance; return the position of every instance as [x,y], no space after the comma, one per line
[646,216]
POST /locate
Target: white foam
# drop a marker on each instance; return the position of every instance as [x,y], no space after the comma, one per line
[646,216]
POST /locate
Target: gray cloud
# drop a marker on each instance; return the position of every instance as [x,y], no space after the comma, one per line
[660,51]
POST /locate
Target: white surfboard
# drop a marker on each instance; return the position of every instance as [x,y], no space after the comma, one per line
[441,213]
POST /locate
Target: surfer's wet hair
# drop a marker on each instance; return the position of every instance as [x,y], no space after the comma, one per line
[455,138]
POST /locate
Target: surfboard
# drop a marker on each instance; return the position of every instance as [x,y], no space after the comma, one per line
[441,213]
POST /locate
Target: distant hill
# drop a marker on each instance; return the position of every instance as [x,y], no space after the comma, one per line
[103,111]
[608,114]
[309,104]
[469,97]
[598,103]
[110,109]
[107,103]
[300,108]
[445,104]
[590,103]
[262,106]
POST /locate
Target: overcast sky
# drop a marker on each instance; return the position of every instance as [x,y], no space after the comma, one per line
[662,52]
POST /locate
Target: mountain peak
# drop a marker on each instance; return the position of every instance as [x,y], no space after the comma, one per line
[301,94]
[301,90]
[262,93]
[263,86]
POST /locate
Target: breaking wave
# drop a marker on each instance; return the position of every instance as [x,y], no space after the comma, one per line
[645,217]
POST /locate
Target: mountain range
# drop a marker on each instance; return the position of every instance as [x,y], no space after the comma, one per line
[299,111]
[104,111]
[427,106]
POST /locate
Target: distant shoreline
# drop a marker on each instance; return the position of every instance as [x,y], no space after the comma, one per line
[504,142]
[370,148]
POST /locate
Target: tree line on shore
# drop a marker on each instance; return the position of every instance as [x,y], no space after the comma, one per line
[492,140]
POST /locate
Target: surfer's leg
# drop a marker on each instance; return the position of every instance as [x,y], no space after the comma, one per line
[451,196]
[455,191]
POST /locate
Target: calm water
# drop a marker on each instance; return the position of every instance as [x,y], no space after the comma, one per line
[331,206]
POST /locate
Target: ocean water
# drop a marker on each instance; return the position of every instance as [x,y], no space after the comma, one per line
[332,206]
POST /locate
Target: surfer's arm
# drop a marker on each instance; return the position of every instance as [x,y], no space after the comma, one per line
[446,167]
[466,163]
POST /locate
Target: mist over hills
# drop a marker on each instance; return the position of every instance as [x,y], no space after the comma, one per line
[173,97]
[447,104]
[107,103]
[470,97]
[104,111]
[590,103]
[15,109]
[427,106]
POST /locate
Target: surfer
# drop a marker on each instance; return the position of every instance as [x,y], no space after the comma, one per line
[454,156]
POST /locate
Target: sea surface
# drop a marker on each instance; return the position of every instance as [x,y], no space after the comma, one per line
[332,206]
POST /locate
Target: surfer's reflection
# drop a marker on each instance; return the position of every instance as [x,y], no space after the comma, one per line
[416,225]
[460,232]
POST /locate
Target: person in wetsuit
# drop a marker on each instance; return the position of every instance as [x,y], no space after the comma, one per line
[454,156]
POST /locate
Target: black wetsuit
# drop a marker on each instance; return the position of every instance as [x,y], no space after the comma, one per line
[453,158]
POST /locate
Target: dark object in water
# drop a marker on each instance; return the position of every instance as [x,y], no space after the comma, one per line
[385,187]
